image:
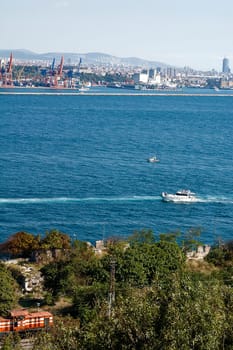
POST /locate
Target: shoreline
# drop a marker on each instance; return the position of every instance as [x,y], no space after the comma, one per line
[112,94]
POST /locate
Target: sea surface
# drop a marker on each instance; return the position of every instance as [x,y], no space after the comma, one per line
[78,163]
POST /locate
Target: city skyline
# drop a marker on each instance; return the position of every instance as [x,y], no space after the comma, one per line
[195,35]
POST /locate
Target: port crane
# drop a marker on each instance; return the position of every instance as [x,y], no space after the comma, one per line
[78,71]
[56,73]
[53,67]
[79,65]
[71,82]
[6,73]
[60,67]
[59,73]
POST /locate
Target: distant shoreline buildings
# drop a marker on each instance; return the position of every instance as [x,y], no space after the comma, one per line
[226,66]
[83,75]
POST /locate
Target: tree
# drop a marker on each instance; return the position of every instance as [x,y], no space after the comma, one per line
[20,244]
[169,237]
[193,314]
[63,336]
[228,335]
[159,304]
[81,267]
[87,301]
[221,255]
[8,290]
[143,236]
[55,239]
[142,263]
[11,342]
[55,277]
[133,324]
[191,239]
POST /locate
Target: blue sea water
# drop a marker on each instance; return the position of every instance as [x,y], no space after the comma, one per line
[78,163]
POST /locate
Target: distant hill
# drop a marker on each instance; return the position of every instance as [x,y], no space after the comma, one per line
[88,58]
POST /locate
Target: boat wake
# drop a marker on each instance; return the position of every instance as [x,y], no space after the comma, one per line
[216,199]
[75,199]
[57,200]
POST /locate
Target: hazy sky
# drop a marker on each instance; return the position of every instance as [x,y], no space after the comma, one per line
[196,33]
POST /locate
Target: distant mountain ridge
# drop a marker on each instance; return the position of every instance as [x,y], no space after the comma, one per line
[88,58]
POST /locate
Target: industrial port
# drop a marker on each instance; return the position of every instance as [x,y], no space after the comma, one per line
[26,75]
[79,76]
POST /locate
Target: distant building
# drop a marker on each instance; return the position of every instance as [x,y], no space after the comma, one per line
[155,81]
[152,73]
[226,83]
[171,72]
[200,253]
[225,66]
[141,77]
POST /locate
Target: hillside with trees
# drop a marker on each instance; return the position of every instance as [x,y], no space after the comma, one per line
[139,293]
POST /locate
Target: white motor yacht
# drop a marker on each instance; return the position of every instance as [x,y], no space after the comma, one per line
[179,196]
[153,159]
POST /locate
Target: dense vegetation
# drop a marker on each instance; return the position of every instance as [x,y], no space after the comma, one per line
[8,290]
[138,294]
[37,74]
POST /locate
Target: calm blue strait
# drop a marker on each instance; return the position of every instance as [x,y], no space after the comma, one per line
[78,163]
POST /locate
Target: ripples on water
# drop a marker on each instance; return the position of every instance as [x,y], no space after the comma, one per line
[78,164]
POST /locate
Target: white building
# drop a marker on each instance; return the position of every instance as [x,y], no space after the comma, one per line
[141,78]
[156,80]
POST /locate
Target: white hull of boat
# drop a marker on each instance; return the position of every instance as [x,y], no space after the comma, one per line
[153,160]
[167,197]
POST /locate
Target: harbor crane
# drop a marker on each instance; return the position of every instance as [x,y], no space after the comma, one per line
[53,66]
[60,67]
[78,71]
[56,73]
[7,73]
[72,83]
[79,65]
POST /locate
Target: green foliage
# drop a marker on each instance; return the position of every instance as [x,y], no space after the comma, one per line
[217,256]
[143,236]
[140,264]
[191,239]
[228,335]
[87,301]
[8,290]
[221,255]
[132,326]
[20,244]
[111,78]
[55,239]
[49,299]
[82,258]
[193,315]
[63,336]
[82,268]
[80,247]
[55,277]
[187,314]
[11,342]
[45,341]
[159,304]
[17,274]
[169,237]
